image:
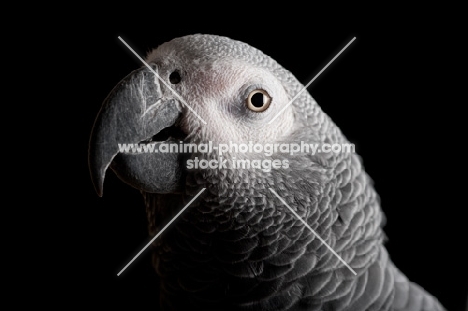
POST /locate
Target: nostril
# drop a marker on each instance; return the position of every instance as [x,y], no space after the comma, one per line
[174,77]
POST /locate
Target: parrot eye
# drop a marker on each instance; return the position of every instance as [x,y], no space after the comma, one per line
[174,77]
[258,100]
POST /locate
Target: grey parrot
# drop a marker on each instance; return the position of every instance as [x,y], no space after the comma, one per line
[255,238]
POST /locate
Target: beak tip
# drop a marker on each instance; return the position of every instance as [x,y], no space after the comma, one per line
[98,182]
[99,192]
[99,189]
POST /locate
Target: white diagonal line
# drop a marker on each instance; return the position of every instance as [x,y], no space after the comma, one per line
[164,82]
[308,227]
[313,79]
[160,232]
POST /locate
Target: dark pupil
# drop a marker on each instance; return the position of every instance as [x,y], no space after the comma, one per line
[257,100]
[174,77]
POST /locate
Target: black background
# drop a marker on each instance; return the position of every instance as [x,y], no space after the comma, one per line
[392,92]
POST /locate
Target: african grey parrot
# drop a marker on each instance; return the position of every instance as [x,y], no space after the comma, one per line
[238,246]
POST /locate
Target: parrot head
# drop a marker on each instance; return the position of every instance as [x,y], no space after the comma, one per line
[198,88]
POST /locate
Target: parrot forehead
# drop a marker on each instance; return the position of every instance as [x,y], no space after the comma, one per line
[203,50]
[220,64]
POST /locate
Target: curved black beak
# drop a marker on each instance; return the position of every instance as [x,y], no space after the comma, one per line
[133,113]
